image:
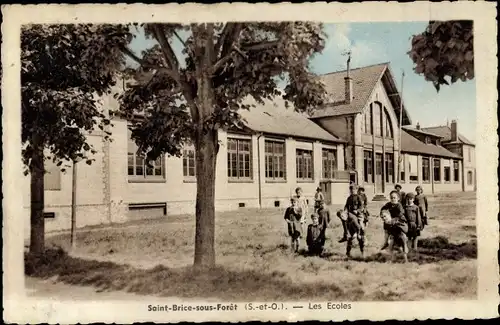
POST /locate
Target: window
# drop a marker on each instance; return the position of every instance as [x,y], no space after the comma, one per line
[368,166]
[52,176]
[469,177]
[447,173]
[188,163]
[427,140]
[138,166]
[456,175]
[426,170]
[304,165]
[329,163]
[437,170]
[469,154]
[389,168]
[275,160]
[388,126]
[368,121]
[402,169]
[413,168]
[377,119]
[238,159]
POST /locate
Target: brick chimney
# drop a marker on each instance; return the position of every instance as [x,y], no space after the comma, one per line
[348,83]
[418,126]
[454,132]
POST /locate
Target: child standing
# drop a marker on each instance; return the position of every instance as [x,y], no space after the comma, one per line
[421,202]
[364,201]
[293,217]
[412,213]
[318,198]
[302,203]
[402,195]
[353,206]
[397,216]
[315,236]
[323,217]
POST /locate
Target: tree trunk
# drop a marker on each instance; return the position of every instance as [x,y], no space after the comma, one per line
[37,221]
[206,159]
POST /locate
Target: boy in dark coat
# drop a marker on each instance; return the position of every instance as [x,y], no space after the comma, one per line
[323,216]
[364,201]
[293,217]
[315,236]
[412,213]
[353,206]
[318,198]
[421,202]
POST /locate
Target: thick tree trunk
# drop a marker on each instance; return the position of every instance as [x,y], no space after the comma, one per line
[206,159]
[37,170]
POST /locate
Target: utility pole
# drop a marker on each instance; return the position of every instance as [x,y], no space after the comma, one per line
[400,158]
[73,208]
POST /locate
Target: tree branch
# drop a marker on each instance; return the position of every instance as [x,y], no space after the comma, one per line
[141,62]
[260,45]
[167,50]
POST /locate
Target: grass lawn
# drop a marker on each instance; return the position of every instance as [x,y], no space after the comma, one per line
[153,257]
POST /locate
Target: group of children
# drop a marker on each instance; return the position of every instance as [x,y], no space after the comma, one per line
[404,218]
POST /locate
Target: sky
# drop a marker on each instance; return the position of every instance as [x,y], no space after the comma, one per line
[372,43]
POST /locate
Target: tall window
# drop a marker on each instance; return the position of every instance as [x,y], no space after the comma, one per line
[389,168]
[377,119]
[456,175]
[469,154]
[368,166]
[469,177]
[368,120]
[388,126]
[52,176]
[403,168]
[188,163]
[447,173]
[329,163]
[437,169]
[239,159]
[413,168]
[304,163]
[139,168]
[275,160]
[426,169]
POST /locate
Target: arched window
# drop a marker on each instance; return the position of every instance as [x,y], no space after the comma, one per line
[377,119]
[367,116]
[388,126]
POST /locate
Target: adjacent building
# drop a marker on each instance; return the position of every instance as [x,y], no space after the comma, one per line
[355,138]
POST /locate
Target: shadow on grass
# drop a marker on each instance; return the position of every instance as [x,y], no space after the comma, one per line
[187,282]
[432,250]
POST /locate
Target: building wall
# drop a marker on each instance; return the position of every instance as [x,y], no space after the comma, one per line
[104,189]
[431,186]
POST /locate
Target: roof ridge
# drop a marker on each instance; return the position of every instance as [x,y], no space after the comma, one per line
[359,68]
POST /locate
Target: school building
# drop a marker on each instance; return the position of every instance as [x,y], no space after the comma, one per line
[355,138]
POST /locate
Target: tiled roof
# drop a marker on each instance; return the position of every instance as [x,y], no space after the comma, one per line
[411,144]
[414,129]
[445,132]
[364,80]
[274,118]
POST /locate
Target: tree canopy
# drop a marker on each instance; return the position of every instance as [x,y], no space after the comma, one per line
[64,71]
[240,60]
[444,52]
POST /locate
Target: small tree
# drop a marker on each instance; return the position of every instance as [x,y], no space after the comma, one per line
[63,68]
[189,98]
[445,50]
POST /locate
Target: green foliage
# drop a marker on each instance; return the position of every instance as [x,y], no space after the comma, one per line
[445,50]
[240,59]
[64,68]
